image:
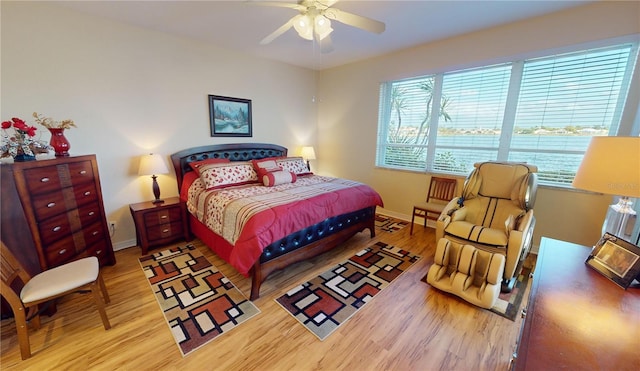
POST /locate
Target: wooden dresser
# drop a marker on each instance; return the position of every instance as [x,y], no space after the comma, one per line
[576,318]
[53,212]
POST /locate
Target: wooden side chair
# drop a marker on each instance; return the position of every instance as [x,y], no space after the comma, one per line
[441,191]
[24,293]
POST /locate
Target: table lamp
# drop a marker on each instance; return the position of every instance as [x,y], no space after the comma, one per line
[611,165]
[308,153]
[153,164]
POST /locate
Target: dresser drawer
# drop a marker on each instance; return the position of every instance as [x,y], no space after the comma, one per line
[163,216]
[60,251]
[99,250]
[63,224]
[164,231]
[52,178]
[50,204]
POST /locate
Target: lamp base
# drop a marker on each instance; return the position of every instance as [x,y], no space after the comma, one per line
[157,201]
[620,219]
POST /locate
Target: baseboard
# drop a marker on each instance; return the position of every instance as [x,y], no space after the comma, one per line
[121,245]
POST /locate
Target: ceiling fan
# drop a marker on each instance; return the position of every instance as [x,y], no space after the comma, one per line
[314,21]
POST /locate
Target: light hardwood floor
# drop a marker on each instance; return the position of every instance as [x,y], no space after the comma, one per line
[408,326]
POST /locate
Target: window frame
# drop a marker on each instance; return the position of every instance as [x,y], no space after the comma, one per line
[505,146]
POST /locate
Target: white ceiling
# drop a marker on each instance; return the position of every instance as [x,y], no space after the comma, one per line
[240,25]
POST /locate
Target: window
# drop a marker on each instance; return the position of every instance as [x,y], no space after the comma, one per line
[543,111]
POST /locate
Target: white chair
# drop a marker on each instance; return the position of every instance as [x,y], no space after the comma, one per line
[76,276]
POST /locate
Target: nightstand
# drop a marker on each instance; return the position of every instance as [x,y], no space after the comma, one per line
[160,223]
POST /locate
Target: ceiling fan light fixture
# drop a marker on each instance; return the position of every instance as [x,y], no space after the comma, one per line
[303,26]
[322,27]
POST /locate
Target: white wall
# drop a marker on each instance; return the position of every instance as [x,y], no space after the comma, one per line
[132,91]
[348,110]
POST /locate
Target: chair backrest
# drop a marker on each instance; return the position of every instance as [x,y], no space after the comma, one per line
[14,277]
[442,189]
[513,181]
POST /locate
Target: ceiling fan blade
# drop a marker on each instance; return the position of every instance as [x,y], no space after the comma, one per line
[326,45]
[284,28]
[357,21]
[278,4]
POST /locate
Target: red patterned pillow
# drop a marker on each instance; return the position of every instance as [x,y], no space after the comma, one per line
[294,164]
[265,165]
[195,165]
[225,175]
[275,178]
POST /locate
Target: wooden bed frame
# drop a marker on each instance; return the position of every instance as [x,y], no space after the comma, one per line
[300,245]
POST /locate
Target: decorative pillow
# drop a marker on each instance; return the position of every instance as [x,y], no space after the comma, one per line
[195,165]
[225,175]
[275,178]
[294,164]
[266,165]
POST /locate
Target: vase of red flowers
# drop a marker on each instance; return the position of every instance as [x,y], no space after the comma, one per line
[18,141]
[58,141]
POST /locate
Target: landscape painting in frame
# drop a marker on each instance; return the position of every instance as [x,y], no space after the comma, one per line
[230,117]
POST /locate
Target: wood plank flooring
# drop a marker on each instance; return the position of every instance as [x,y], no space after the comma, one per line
[408,326]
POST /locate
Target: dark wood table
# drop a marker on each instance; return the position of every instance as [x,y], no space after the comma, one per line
[576,318]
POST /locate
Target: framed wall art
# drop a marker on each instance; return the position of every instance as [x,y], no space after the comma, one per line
[229,117]
[616,259]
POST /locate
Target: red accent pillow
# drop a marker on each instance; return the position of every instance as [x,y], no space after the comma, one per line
[195,165]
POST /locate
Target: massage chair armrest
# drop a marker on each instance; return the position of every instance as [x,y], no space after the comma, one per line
[525,222]
[445,218]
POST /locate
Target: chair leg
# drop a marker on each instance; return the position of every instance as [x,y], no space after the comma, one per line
[103,288]
[100,304]
[413,217]
[23,332]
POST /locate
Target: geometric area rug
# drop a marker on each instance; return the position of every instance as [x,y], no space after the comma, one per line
[198,302]
[389,224]
[508,303]
[329,300]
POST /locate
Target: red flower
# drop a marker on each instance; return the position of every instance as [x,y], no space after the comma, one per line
[6,124]
[20,124]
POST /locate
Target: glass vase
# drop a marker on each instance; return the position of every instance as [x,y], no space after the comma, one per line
[59,142]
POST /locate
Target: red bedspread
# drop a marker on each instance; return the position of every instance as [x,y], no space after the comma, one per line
[251,217]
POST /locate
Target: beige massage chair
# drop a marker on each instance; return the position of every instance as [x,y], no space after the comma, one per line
[494,215]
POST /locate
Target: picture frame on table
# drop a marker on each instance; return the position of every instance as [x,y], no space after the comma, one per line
[616,259]
[230,117]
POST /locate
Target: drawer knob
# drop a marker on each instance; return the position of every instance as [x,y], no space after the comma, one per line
[57,228]
[45,179]
[163,217]
[95,233]
[165,231]
[87,193]
[99,252]
[91,213]
[523,314]
[51,204]
[83,172]
[62,251]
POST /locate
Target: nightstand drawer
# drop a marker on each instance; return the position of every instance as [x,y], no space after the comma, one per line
[163,216]
[163,231]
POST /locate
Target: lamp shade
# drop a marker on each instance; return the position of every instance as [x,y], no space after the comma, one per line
[611,165]
[152,164]
[308,153]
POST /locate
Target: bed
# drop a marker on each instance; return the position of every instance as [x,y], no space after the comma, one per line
[263,241]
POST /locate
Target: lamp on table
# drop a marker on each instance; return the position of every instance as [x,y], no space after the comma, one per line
[308,153]
[153,164]
[611,165]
